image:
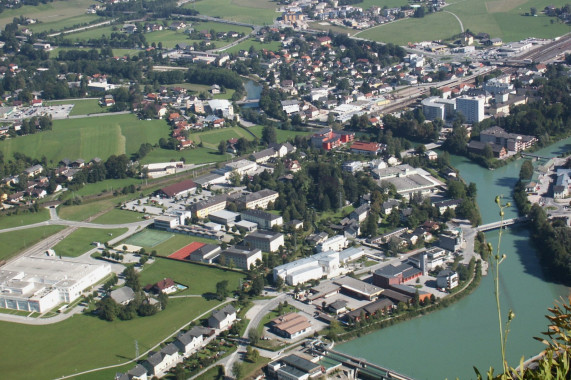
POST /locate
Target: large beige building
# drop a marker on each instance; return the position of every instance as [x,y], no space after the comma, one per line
[259,199]
[205,208]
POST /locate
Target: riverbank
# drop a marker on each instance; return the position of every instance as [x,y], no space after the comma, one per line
[456,296]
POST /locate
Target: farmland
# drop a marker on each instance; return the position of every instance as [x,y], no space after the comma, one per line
[55,12]
[499,19]
[88,138]
[247,11]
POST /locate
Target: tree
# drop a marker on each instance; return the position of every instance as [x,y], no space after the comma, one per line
[222,147]
[526,171]
[370,227]
[132,278]
[257,286]
[107,309]
[533,11]
[222,290]
[269,135]
[254,336]
[237,370]
[163,300]
[279,283]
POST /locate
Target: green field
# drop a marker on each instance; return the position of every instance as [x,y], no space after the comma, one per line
[85,342]
[16,241]
[116,52]
[200,279]
[66,23]
[282,135]
[502,19]
[81,107]
[149,238]
[22,219]
[173,244]
[191,156]
[246,45]
[116,216]
[197,88]
[88,138]
[52,12]
[211,139]
[109,185]
[88,210]
[79,241]
[248,11]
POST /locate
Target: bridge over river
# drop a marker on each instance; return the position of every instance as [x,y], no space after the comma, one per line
[501,223]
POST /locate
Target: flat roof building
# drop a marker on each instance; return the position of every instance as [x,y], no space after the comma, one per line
[259,199]
[267,241]
[264,219]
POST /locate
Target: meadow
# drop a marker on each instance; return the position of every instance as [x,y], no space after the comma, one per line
[81,106]
[200,279]
[80,240]
[246,45]
[211,138]
[248,11]
[85,342]
[116,216]
[23,218]
[191,156]
[65,23]
[52,12]
[16,241]
[281,135]
[88,138]
[500,19]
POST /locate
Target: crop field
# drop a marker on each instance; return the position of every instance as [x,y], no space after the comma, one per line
[247,11]
[16,241]
[502,19]
[245,45]
[53,12]
[88,138]
[282,135]
[79,241]
[65,23]
[85,342]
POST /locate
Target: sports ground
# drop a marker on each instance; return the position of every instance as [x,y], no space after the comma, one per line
[148,238]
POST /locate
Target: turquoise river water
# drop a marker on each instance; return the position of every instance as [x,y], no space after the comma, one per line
[448,343]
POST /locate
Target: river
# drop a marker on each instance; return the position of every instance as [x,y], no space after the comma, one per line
[448,343]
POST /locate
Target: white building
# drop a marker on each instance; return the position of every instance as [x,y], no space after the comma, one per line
[39,283]
[447,279]
[222,319]
[471,107]
[242,258]
[267,241]
[335,243]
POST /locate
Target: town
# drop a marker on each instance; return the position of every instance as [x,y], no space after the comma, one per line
[221,197]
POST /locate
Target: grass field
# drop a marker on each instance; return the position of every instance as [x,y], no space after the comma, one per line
[196,88]
[282,135]
[87,210]
[109,185]
[85,342]
[175,243]
[52,12]
[245,45]
[502,19]
[211,139]
[87,34]
[116,52]
[16,241]
[117,216]
[149,238]
[247,11]
[22,219]
[192,156]
[79,241]
[200,279]
[81,107]
[88,138]
[66,23]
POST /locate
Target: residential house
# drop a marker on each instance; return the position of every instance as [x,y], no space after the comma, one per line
[222,319]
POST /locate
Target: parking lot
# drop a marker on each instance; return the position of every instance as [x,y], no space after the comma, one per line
[56,112]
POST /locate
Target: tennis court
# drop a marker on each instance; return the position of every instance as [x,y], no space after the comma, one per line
[149,238]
